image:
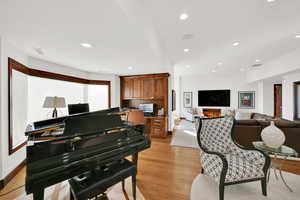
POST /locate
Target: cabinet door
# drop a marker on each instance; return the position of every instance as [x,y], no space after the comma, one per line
[148,88]
[158,128]
[127,88]
[137,88]
[160,85]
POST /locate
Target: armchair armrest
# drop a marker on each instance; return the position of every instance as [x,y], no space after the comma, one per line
[253,155]
[214,164]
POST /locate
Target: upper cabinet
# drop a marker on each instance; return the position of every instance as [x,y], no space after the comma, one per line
[148,88]
[137,88]
[127,88]
[144,86]
[160,85]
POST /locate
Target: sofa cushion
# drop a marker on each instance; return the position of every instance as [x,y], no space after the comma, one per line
[285,124]
[259,116]
[249,122]
[279,123]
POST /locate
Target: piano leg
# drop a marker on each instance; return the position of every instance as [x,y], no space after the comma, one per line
[134,186]
[135,158]
[38,194]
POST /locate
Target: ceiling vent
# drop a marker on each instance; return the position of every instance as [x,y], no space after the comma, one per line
[39,51]
[256,65]
[187,36]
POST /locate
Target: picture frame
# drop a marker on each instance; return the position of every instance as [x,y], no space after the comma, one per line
[187,99]
[173,100]
[246,99]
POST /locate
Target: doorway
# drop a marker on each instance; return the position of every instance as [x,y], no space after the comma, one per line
[278,100]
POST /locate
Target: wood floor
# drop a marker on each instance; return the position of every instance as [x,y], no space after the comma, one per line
[167,172]
[164,172]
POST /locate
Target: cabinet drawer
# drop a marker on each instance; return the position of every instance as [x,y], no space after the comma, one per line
[156,131]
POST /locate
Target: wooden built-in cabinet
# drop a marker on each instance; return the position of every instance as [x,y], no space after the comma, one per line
[149,88]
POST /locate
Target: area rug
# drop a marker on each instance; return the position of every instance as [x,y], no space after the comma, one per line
[61,192]
[204,188]
[185,135]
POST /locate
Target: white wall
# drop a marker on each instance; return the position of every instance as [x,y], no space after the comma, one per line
[19,108]
[284,64]
[235,82]
[62,69]
[8,163]
[39,88]
[268,95]
[97,97]
[1,95]
[288,94]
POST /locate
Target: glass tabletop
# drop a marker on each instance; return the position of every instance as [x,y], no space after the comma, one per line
[282,151]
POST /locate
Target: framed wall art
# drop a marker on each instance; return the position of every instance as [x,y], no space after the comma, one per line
[187,99]
[247,99]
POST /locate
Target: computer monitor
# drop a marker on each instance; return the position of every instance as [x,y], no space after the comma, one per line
[78,108]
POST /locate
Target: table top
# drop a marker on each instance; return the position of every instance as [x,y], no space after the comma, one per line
[282,151]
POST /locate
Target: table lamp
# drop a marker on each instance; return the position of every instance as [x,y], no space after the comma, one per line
[54,102]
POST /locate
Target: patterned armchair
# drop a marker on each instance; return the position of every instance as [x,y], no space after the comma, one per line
[224,160]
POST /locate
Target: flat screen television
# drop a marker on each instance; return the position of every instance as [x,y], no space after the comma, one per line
[148,108]
[78,108]
[214,98]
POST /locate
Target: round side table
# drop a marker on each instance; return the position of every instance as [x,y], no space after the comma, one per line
[283,151]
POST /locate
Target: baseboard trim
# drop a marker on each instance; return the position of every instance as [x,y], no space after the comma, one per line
[12,174]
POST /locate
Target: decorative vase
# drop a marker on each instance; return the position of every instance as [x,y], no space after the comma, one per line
[272,136]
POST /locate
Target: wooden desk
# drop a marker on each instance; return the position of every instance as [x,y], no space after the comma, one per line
[156,126]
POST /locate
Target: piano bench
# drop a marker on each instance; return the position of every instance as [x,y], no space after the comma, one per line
[93,183]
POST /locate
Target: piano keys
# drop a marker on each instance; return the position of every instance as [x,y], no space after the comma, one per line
[61,148]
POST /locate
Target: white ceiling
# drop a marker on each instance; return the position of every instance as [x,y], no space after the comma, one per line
[147,34]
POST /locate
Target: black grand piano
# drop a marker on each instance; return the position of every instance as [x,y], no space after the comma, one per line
[61,148]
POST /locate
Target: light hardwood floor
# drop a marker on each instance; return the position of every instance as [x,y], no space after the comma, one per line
[164,173]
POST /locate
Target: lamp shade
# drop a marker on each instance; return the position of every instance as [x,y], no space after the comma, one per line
[54,102]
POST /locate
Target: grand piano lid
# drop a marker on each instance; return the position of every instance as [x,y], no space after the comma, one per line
[97,122]
[56,123]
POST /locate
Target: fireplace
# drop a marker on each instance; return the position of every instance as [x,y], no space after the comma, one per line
[207,112]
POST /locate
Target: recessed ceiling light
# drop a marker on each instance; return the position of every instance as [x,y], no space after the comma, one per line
[236,44]
[86,45]
[184,16]
[298,36]
[187,66]
[270,1]
[219,63]
[213,71]
[130,68]
[186,50]
[257,60]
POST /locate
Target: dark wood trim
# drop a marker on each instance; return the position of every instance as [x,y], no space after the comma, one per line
[158,75]
[296,95]
[13,150]
[13,64]
[275,99]
[12,174]
[50,75]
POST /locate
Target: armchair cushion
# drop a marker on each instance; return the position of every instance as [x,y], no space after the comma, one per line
[241,169]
